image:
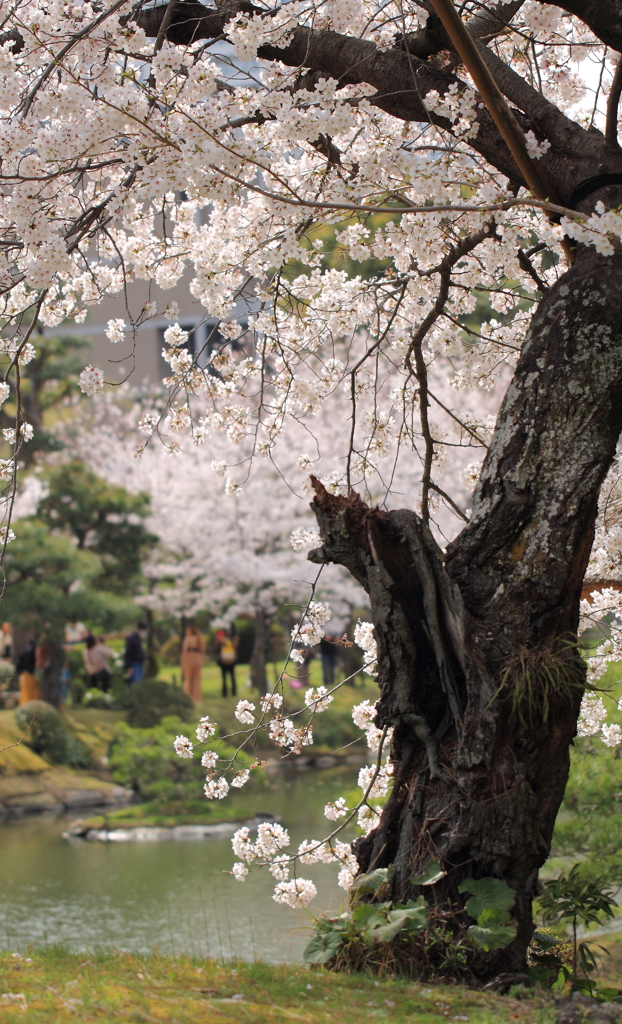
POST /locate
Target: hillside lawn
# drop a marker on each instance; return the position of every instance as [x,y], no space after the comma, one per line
[56,987]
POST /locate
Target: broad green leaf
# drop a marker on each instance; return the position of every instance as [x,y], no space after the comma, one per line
[491,917]
[363,912]
[334,924]
[413,919]
[488,894]
[323,947]
[496,937]
[370,883]
[431,874]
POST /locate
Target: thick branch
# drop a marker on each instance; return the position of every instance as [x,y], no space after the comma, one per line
[604,17]
[402,81]
[613,102]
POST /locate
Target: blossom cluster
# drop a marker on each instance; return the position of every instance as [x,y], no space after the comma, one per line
[309,631]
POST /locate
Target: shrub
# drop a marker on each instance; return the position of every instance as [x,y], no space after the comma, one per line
[145,760]
[47,734]
[150,701]
[95,698]
[76,754]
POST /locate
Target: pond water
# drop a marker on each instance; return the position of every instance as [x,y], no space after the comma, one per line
[172,896]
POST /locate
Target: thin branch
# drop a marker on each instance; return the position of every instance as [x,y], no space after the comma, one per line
[450,501]
[508,204]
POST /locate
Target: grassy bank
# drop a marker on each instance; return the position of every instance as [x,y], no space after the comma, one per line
[53,985]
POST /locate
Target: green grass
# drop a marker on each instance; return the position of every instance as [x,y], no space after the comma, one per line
[59,987]
[610,971]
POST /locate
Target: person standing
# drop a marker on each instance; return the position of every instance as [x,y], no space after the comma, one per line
[96,661]
[25,667]
[134,656]
[226,657]
[192,657]
[6,642]
[49,661]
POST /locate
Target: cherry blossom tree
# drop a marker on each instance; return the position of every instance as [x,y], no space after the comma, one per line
[489,139]
[230,554]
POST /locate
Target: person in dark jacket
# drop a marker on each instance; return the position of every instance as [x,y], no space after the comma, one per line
[134,657]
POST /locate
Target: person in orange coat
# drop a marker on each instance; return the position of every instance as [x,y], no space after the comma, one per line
[28,685]
[192,657]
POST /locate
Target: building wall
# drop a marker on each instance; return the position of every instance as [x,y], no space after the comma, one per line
[141,359]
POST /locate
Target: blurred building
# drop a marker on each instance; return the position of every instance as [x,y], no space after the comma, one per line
[139,358]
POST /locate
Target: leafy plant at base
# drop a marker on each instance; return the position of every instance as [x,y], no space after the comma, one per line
[577,900]
[369,923]
[489,904]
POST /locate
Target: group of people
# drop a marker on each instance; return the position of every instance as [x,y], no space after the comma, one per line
[193,656]
[97,655]
[43,672]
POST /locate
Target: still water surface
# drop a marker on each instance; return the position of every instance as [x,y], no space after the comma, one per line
[174,896]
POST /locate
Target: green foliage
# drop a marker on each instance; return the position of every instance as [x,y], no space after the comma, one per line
[151,700]
[431,874]
[49,580]
[95,698]
[370,884]
[371,923]
[576,899]
[45,383]
[103,518]
[145,760]
[47,732]
[589,821]
[489,905]
[170,651]
[488,894]
[48,735]
[324,945]
[492,931]
[76,754]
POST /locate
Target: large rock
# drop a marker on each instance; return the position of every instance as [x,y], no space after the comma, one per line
[83,798]
[579,1009]
[33,803]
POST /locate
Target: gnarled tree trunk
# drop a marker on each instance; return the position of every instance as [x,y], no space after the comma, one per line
[481,761]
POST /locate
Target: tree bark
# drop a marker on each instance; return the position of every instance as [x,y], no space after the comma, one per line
[481,758]
[258,658]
